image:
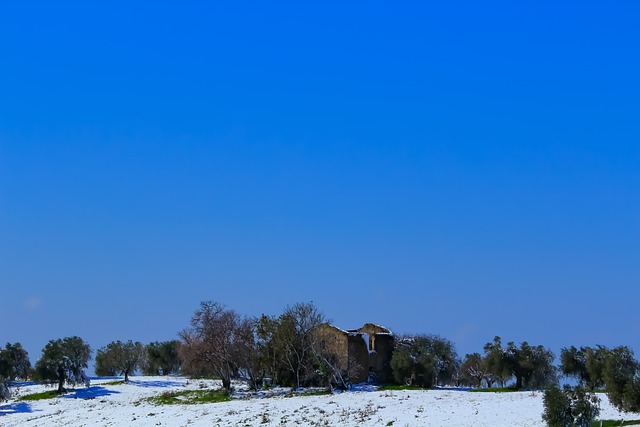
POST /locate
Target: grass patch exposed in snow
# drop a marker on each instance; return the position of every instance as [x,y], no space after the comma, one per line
[396,387]
[40,396]
[189,397]
[615,423]
[494,390]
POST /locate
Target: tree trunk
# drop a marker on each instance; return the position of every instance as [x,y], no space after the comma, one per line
[518,382]
[226,384]
[126,376]
[61,378]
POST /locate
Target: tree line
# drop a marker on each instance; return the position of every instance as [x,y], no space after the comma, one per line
[285,350]
[64,361]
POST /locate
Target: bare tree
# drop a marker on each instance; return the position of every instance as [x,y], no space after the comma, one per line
[333,373]
[211,345]
[474,370]
[249,359]
[297,325]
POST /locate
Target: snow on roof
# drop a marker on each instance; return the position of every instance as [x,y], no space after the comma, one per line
[329,325]
[379,330]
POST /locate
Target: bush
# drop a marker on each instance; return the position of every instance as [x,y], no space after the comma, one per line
[570,407]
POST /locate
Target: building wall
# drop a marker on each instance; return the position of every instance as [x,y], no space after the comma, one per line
[359,355]
[369,347]
[381,343]
[380,358]
[336,342]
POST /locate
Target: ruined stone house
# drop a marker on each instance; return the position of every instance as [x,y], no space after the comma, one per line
[365,352]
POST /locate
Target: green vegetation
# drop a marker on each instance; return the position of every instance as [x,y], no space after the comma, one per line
[494,390]
[397,387]
[531,366]
[615,423]
[570,406]
[585,364]
[189,397]
[424,360]
[63,361]
[14,364]
[120,358]
[40,396]
[162,358]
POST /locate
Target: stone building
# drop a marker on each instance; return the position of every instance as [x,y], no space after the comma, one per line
[365,352]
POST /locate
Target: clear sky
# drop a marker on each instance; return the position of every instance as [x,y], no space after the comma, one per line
[462,168]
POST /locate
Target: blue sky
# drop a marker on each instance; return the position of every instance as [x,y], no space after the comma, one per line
[462,168]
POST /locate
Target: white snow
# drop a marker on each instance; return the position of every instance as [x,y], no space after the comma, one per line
[124,405]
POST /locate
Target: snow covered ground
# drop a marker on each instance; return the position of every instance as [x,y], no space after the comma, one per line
[125,405]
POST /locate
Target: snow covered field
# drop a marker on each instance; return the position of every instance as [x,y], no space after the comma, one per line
[124,405]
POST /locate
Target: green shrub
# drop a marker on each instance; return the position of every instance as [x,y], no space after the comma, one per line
[570,407]
[615,423]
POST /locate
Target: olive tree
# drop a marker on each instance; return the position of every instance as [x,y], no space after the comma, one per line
[585,364]
[119,358]
[424,360]
[622,379]
[162,358]
[14,364]
[532,366]
[64,361]
[497,362]
[289,346]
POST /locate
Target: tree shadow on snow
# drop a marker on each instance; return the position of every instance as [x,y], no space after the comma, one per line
[18,384]
[15,408]
[89,393]
[158,383]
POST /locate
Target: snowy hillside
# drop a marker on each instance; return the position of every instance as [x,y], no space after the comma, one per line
[126,405]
